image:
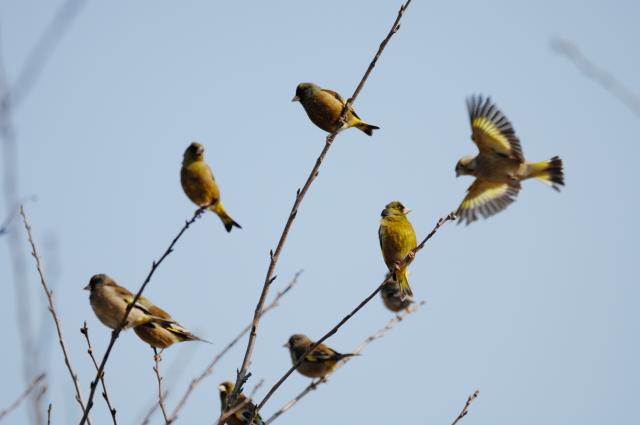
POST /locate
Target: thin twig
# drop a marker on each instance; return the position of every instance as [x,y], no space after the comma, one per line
[84,330]
[49,414]
[209,369]
[600,75]
[52,310]
[24,395]
[345,319]
[465,409]
[275,255]
[359,349]
[116,331]
[157,359]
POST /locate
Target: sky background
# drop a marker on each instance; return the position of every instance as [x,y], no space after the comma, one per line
[537,306]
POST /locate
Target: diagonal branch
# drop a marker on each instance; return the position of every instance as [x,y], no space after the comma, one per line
[84,330]
[465,409]
[116,331]
[157,359]
[275,255]
[24,395]
[359,349]
[209,369]
[52,309]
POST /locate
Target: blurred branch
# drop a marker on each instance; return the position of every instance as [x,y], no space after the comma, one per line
[209,369]
[84,330]
[49,414]
[52,310]
[157,359]
[116,331]
[275,255]
[359,349]
[597,74]
[24,395]
[465,409]
[399,265]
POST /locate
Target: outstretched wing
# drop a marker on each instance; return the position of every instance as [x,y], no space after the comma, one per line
[486,198]
[491,130]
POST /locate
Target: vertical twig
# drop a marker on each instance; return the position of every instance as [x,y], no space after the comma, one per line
[52,310]
[465,409]
[25,394]
[157,359]
[49,414]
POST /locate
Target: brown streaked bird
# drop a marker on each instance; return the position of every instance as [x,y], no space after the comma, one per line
[242,416]
[324,108]
[393,298]
[500,165]
[319,362]
[200,186]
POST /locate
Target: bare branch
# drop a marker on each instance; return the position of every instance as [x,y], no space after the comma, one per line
[275,255]
[24,395]
[84,330]
[344,320]
[157,359]
[116,331]
[49,414]
[465,409]
[599,75]
[52,310]
[359,349]
[209,369]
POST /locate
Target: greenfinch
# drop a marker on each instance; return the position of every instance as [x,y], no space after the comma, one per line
[499,166]
[163,334]
[110,301]
[397,240]
[393,298]
[319,362]
[324,108]
[200,185]
[242,416]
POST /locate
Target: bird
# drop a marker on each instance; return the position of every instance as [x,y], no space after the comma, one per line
[242,416]
[319,362]
[324,108]
[500,165]
[109,302]
[397,241]
[200,186]
[393,298]
[163,334]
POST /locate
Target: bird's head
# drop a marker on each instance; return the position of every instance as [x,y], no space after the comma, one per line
[98,280]
[298,342]
[195,152]
[395,209]
[304,91]
[466,166]
[226,388]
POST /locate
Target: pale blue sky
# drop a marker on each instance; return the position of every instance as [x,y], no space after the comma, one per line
[536,306]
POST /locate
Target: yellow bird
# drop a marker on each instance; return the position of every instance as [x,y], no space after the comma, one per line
[397,240]
[500,166]
[163,334]
[319,362]
[200,185]
[242,416]
[324,108]
[393,298]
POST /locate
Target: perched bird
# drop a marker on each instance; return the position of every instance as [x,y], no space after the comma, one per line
[500,166]
[110,301]
[397,240]
[163,334]
[393,298]
[242,416]
[318,363]
[200,186]
[324,108]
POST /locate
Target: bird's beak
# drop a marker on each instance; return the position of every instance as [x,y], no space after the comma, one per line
[295,99]
[285,345]
[87,288]
[458,173]
[221,388]
[406,211]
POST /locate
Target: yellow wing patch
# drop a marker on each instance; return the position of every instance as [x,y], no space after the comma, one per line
[486,198]
[491,130]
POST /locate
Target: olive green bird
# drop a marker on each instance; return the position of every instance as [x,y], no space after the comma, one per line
[242,416]
[200,185]
[397,240]
[324,108]
[319,362]
[393,297]
[500,165]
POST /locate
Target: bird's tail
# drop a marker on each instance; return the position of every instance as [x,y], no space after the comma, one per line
[366,128]
[228,222]
[183,334]
[549,172]
[401,278]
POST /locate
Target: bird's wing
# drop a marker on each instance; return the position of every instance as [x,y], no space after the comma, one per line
[491,130]
[322,353]
[127,296]
[486,198]
[341,100]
